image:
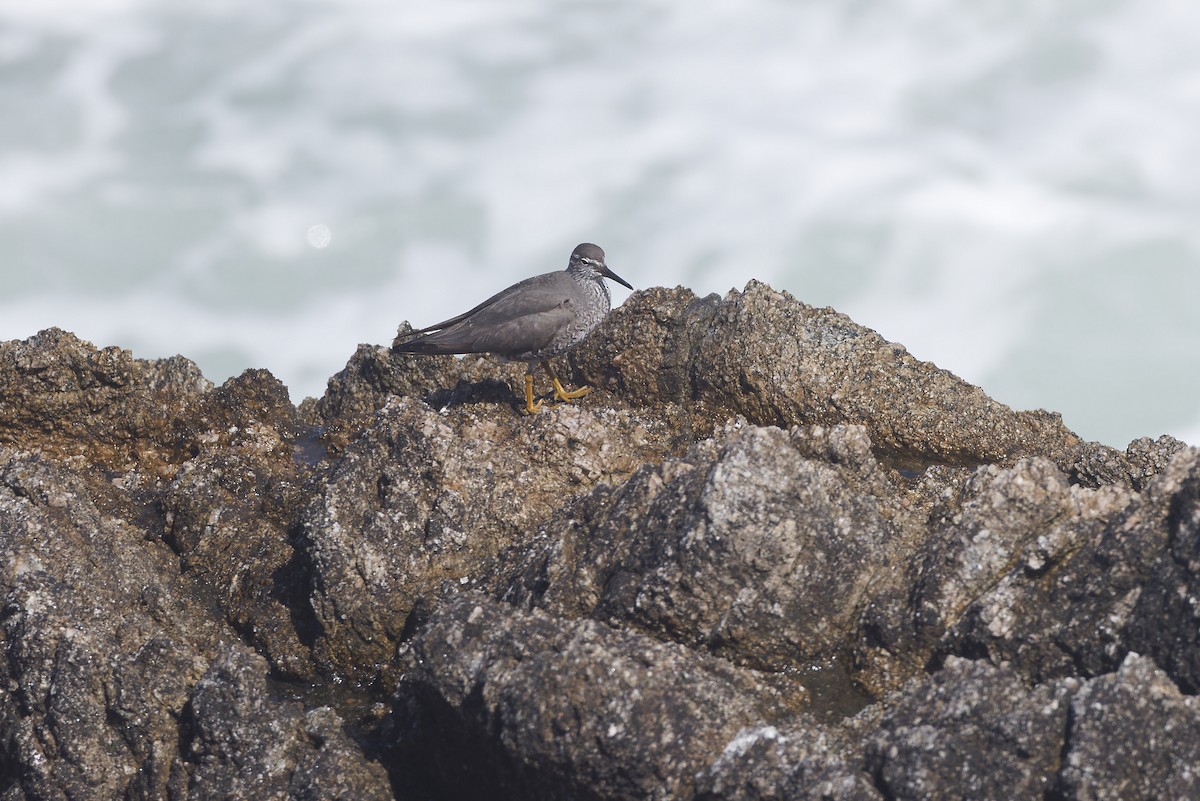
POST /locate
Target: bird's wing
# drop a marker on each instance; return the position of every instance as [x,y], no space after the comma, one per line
[523,318]
[528,333]
[504,298]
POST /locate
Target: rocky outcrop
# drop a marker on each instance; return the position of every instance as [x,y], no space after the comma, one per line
[747,547]
[567,711]
[418,500]
[772,556]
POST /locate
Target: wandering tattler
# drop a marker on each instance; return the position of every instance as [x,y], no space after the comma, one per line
[531,321]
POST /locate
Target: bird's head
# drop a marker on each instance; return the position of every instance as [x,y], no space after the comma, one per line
[588,259]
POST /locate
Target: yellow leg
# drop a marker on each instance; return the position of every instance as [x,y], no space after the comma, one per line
[530,406]
[559,392]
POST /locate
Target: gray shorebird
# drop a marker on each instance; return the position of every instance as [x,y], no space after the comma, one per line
[531,321]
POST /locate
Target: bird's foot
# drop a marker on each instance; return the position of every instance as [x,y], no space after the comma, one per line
[560,392]
[563,395]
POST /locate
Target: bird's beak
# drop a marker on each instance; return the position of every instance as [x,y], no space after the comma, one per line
[607,273]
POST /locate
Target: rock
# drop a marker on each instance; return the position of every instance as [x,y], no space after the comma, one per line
[245,742]
[645,353]
[369,380]
[771,556]
[1165,621]
[1132,736]
[102,639]
[766,356]
[421,498]
[971,731]
[1098,465]
[104,636]
[230,514]
[747,547]
[801,762]
[67,399]
[1007,526]
[1091,584]
[521,705]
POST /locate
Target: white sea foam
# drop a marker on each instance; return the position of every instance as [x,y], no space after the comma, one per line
[1008,190]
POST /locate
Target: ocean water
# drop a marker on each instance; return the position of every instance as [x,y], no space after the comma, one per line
[1010,189]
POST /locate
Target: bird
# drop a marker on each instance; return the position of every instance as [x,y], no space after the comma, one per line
[532,321]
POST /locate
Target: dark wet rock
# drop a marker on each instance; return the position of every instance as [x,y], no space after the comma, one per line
[771,556]
[512,704]
[1093,582]
[1132,736]
[102,640]
[971,731]
[1098,465]
[803,761]
[245,742]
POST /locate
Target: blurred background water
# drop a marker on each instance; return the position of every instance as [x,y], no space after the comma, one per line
[1009,188]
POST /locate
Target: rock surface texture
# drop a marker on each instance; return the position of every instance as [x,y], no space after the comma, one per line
[772,557]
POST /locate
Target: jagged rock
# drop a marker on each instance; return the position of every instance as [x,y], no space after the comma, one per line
[1005,526]
[102,640]
[761,545]
[802,762]
[369,380]
[244,742]
[1165,622]
[971,731]
[231,513]
[1090,582]
[617,598]
[512,704]
[764,355]
[421,498]
[1132,736]
[1099,465]
[67,399]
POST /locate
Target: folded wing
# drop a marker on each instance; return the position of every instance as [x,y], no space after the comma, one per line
[522,319]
